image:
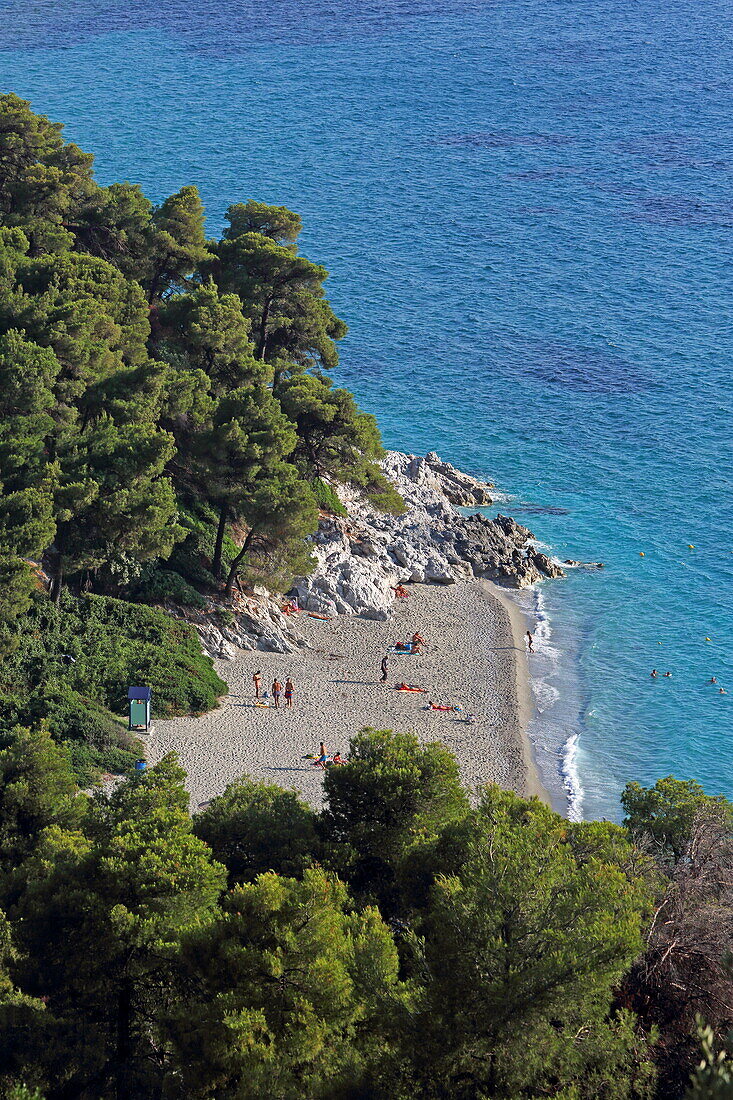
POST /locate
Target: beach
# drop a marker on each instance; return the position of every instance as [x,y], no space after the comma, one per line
[474,658]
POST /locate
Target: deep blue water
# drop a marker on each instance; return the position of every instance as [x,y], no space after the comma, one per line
[527,209]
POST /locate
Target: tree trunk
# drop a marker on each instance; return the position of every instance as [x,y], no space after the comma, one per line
[235,564]
[57,581]
[262,336]
[216,560]
[124,1044]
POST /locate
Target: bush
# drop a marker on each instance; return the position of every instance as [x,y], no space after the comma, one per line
[158,585]
[88,763]
[380,492]
[75,663]
[327,498]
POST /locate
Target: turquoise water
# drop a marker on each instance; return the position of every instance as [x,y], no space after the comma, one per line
[526,208]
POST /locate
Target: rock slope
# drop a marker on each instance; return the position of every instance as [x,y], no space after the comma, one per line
[361,557]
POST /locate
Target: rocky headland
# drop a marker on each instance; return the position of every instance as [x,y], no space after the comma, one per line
[359,558]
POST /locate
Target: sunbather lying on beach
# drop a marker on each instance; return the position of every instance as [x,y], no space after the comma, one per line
[400,592]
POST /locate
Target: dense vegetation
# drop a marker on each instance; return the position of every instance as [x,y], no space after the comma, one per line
[405,941]
[168,427]
[167,423]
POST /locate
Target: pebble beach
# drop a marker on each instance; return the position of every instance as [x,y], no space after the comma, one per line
[474,658]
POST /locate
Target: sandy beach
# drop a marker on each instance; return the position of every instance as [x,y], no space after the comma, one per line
[475,657]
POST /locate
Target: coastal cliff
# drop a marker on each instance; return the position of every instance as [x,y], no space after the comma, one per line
[359,558]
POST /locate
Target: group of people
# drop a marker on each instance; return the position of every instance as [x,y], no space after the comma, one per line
[277,690]
[713,680]
[413,646]
[324,760]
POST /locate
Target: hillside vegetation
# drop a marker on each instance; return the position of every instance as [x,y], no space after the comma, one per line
[167,422]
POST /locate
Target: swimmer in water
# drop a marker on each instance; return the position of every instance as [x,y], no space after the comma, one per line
[668,674]
[713,680]
[654,674]
[722,692]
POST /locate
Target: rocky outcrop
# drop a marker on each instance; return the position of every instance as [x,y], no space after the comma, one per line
[362,557]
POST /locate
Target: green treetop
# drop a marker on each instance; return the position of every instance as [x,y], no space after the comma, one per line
[289,994]
[276,222]
[394,794]
[177,244]
[255,827]
[523,943]
[101,921]
[666,812]
[282,294]
[43,181]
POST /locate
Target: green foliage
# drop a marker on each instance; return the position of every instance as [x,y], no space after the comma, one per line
[290,991]
[176,244]
[522,945]
[334,438]
[276,222]
[113,645]
[157,585]
[327,498]
[100,922]
[666,812]
[713,1077]
[281,292]
[395,794]
[380,492]
[256,827]
[37,789]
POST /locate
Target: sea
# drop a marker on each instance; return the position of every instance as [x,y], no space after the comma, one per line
[526,209]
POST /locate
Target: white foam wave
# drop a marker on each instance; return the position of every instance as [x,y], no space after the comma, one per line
[555,705]
[571,779]
[545,695]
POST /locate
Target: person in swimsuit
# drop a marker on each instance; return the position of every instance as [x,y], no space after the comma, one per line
[417,641]
[257,679]
[338,759]
[276,692]
[653,674]
[383,666]
[322,757]
[288,692]
[530,643]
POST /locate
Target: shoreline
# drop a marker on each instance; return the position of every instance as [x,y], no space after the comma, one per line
[475,658]
[519,623]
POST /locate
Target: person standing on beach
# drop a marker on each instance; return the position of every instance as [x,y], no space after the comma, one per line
[383,666]
[257,680]
[530,643]
[276,692]
[288,692]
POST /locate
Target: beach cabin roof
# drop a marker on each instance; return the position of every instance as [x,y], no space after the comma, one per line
[139,693]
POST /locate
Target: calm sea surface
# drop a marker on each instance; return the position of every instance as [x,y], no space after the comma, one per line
[527,210]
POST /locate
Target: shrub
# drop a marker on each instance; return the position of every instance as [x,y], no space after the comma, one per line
[158,585]
[327,498]
[74,664]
